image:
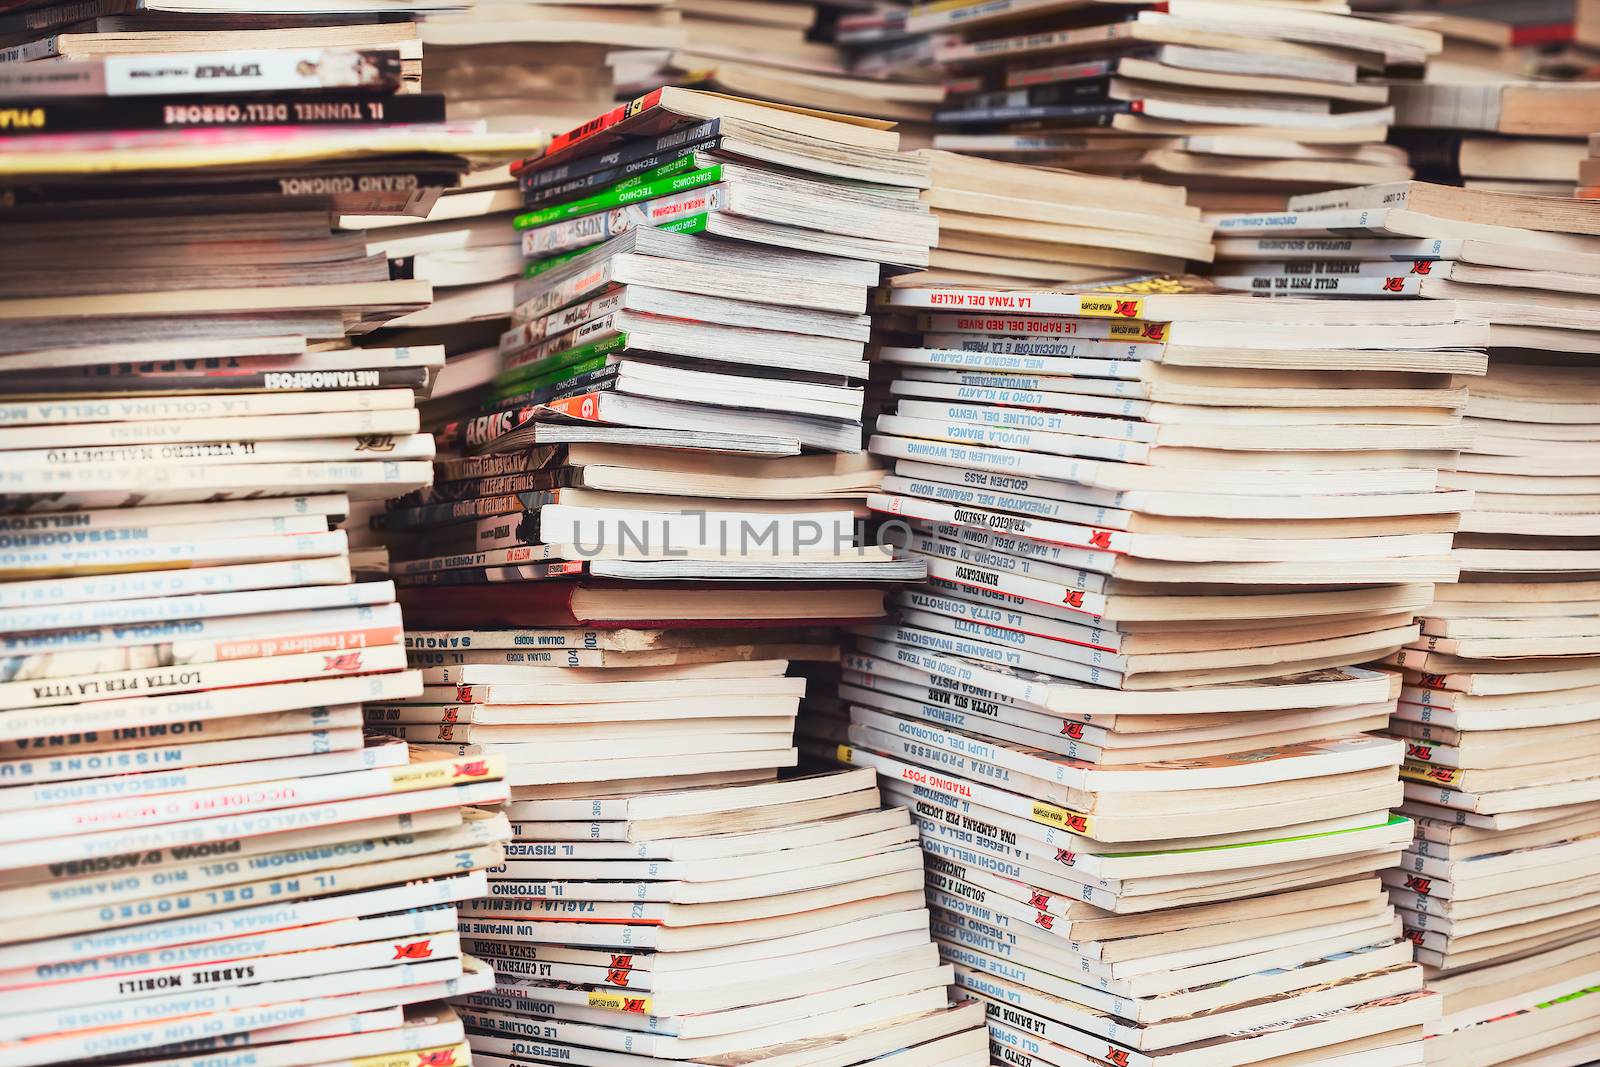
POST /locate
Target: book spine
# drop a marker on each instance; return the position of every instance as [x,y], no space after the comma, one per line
[952,454]
[547,294]
[377,780]
[489,485]
[510,638]
[31,777]
[88,81]
[290,398]
[414,378]
[177,515]
[68,539]
[492,558]
[252,698]
[1124,440]
[454,511]
[1322,285]
[200,880]
[687,208]
[266,586]
[588,376]
[1013,360]
[621,194]
[533,459]
[544,363]
[61,755]
[625,155]
[531,333]
[46,115]
[23,562]
[617,179]
[1074,115]
[1096,349]
[1101,329]
[1089,538]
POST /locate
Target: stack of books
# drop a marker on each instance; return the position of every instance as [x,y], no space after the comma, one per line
[43,30]
[1007,224]
[1504,133]
[1501,889]
[648,522]
[520,65]
[200,848]
[1161,530]
[780,923]
[1203,93]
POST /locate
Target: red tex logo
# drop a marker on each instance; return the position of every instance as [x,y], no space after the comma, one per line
[1128,309]
[1419,886]
[1067,857]
[1155,331]
[1117,1056]
[345,662]
[416,950]
[617,976]
[1073,730]
[1100,539]
[474,769]
[439,1057]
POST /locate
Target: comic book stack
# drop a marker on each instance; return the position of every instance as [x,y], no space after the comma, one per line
[1501,889]
[616,566]
[1161,529]
[1242,103]
[780,923]
[200,849]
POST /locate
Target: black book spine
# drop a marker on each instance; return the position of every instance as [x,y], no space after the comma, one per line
[351,188]
[621,155]
[1093,88]
[1088,114]
[600,179]
[343,108]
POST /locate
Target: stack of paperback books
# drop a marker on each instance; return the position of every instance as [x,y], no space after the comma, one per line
[200,848]
[520,65]
[1007,224]
[636,552]
[1501,888]
[1161,529]
[1209,94]
[780,924]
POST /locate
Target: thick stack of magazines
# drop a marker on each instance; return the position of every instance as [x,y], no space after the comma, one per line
[200,848]
[1501,888]
[1162,529]
[651,519]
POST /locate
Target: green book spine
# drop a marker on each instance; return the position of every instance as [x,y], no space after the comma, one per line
[557,363]
[616,196]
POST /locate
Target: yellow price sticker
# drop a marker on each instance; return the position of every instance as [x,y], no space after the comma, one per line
[1060,818]
[846,754]
[1111,306]
[619,1002]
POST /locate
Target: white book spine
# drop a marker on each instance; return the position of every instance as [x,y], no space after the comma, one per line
[365,605]
[120,685]
[88,848]
[157,554]
[1012,362]
[125,768]
[905,439]
[152,937]
[109,600]
[208,987]
[149,518]
[382,771]
[227,451]
[82,879]
[208,406]
[67,443]
[229,478]
[64,541]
